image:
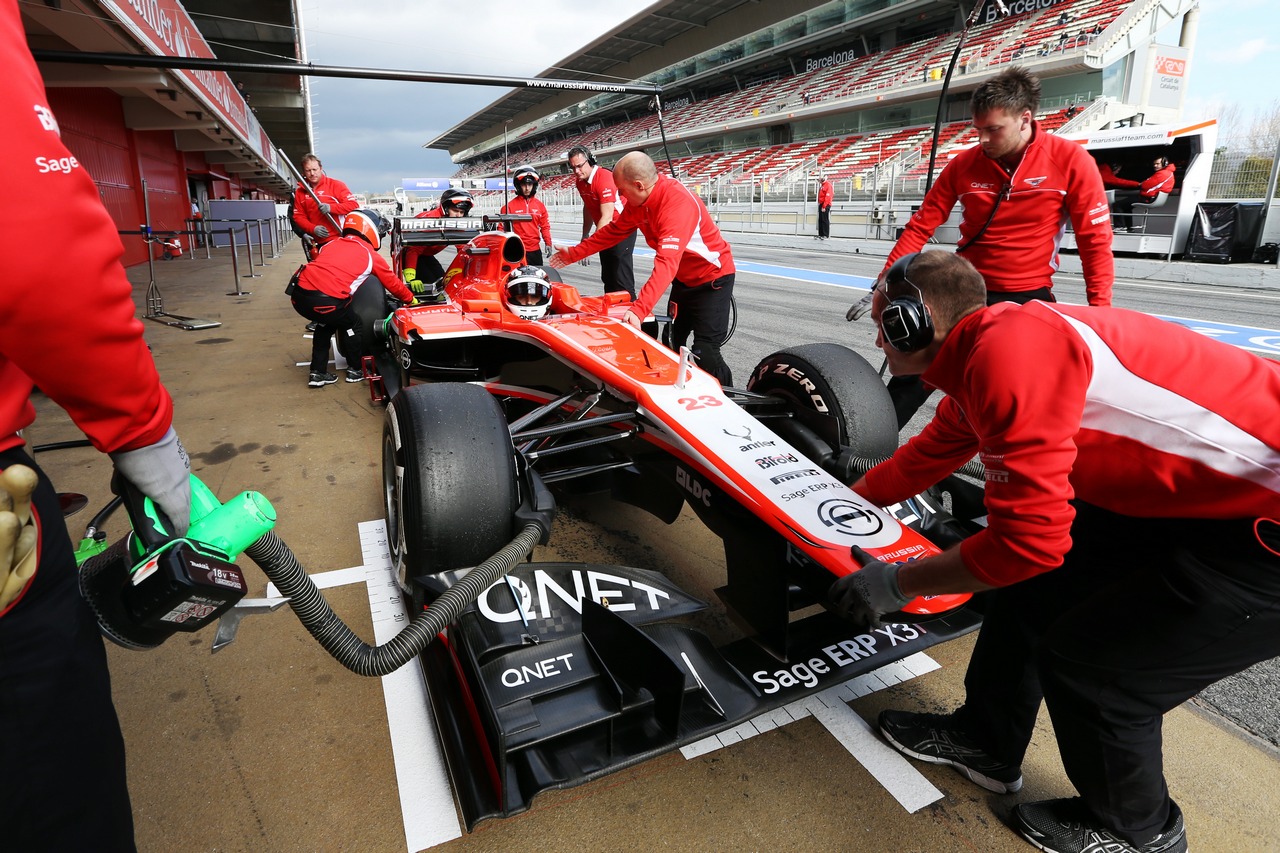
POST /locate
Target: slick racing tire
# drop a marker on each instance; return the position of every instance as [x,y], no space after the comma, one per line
[449,478]
[833,380]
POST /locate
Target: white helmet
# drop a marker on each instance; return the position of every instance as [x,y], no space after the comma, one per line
[528,292]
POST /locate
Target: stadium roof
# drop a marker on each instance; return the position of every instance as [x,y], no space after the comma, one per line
[652,28]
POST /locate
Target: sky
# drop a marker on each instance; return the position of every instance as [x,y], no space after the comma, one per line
[370,133]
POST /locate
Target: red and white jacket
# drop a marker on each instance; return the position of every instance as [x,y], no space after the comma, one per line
[343,265]
[1161,182]
[331,191]
[1139,416]
[1056,182]
[826,194]
[89,358]
[679,228]
[528,232]
[598,190]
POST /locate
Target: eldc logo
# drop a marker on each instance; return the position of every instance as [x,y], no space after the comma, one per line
[1169,65]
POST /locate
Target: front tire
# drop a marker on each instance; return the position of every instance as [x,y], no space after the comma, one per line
[833,380]
[449,479]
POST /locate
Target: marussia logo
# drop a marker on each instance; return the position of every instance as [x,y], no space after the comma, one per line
[1035,182]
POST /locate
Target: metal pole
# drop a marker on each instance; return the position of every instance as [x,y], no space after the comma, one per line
[248,252]
[155,302]
[262,247]
[1271,194]
[235,262]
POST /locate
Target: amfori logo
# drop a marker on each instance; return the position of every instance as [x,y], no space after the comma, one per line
[1170,65]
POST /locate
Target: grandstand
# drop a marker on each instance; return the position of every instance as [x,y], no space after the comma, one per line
[847,88]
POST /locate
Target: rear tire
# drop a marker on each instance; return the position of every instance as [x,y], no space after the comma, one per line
[833,380]
[449,479]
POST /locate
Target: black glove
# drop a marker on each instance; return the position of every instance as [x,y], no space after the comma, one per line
[324,207]
[869,593]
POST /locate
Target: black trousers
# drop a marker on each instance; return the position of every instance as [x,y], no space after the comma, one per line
[533,258]
[330,313]
[1143,615]
[824,221]
[909,392]
[62,765]
[615,267]
[703,310]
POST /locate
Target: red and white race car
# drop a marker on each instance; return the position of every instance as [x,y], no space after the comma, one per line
[562,672]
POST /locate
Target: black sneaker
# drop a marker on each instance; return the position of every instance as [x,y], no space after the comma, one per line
[936,739]
[1067,826]
[319,380]
[354,374]
[311,327]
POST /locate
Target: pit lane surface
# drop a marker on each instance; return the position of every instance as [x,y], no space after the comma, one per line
[270,745]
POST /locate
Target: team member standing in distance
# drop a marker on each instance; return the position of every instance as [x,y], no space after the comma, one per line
[526,184]
[692,258]
[1017,190]
[601,204]
[826,196]
[62,758]
[335,201]
[1132,540]
[326,287]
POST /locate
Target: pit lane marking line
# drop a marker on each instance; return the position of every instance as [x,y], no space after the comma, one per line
[422,780]
[912,790]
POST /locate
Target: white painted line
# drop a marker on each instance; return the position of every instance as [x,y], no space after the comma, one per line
[426,796]
[878,679]
[327,580]
[884,763]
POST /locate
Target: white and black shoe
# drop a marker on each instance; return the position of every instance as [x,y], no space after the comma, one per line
[319,380]
[935,738]
[1067,826]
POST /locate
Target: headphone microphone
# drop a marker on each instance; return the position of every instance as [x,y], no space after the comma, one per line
[905,323]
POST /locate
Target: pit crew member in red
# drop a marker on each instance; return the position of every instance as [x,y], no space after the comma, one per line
[526,184]
[691,257]
[826,196]
[1132,540]
[325,288]
[318,220]
[61,753]
[1161,181]
[421,269]
[601,204]
[1017,188]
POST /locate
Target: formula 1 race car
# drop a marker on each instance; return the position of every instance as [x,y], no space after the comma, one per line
[562,672]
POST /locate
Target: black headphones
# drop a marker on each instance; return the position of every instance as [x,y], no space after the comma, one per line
[586,152]
[905,322]
[1164,161]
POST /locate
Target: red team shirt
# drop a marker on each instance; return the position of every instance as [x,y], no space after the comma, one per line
[331,191]
[528,232]
[1120,425]
[1056,182]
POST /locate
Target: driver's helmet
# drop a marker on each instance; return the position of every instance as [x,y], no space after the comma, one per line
[459,200]
[364,223]
[528,292]
[526,175]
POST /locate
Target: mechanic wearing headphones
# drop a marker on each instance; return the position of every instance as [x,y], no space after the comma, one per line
[601,205]
[335,201]
[325,289]
[526,183]
[62,757]
[1161,181]
[692,257]
[1132,543]
[422,271]
[1017,188]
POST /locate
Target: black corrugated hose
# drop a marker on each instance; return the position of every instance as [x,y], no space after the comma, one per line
[282,567]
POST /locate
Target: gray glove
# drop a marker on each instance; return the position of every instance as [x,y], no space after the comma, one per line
[324,207]
[321,231]
[869,593]
[162,472]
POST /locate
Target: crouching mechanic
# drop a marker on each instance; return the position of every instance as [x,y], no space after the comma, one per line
[326,288]
[422,271]
[692,257]
[1132,545]
[62,757]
